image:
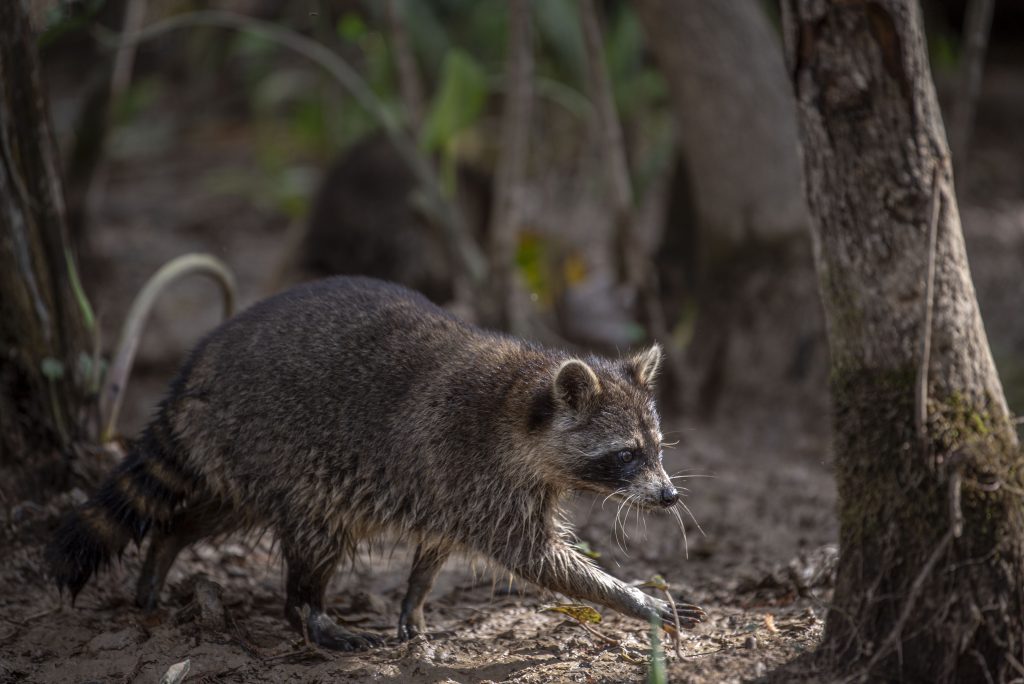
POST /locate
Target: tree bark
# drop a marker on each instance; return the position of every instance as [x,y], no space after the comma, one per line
[736,127]
[42,326]
[733,112]
[928,467]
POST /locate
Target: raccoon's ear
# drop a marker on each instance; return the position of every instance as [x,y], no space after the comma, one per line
[644,365]
[576,386]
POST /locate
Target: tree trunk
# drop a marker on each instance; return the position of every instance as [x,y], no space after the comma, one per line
[928,466]
[737,134]
[42,326]
[734,114]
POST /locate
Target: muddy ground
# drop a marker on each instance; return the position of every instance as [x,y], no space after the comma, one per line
[762,488]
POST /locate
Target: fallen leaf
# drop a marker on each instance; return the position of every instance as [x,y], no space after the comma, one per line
[577,611]
[176,673]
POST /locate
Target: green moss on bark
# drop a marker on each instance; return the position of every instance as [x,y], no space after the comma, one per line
[895,509]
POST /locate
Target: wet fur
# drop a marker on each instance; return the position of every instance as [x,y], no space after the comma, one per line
[349,408]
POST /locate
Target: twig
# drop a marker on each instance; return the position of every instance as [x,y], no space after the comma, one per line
[1016,664]
[609,126]
[603,637]
[131,333]
[640,283]
[306,650]
[977,25]
[908,605]
[676,637]
[609,131]
[236,633]
[921,413]
[956,514]
[124,60]
[510,175]
[409,83]
[35,616]
[468,254]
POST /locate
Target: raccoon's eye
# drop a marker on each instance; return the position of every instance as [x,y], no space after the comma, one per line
[626,456]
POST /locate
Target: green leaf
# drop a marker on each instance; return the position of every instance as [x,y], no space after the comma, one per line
[459,102]
[584,548]
[558,24]
[352,27]
[52,368]
[76,286]
[577,611]
[657,582]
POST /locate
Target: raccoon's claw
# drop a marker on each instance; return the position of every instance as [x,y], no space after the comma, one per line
[323,631]
[410,625]
[407,631]
[689,615]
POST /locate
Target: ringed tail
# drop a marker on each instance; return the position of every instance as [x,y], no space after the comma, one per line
[142,492]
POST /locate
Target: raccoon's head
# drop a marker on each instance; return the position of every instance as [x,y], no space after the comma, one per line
[604,429]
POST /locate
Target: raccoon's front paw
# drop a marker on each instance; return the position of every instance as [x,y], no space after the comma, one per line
[689,615]
[325,632]
[410,624]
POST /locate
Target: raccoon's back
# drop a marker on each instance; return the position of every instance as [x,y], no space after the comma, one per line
[333,368]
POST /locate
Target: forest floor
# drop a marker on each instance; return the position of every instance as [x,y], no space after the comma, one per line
[762,568]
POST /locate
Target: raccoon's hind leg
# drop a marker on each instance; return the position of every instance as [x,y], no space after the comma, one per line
[308,577]
[425,565]
[186,528]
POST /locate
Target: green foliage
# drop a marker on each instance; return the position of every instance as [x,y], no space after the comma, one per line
[84,307]
[142,94]
[533,263]
[558,24]
[636,83]
[63,18]
[90,371]
[944,52]
[52,369]
[427,34]
[656,582]
[351,27]
[459,101]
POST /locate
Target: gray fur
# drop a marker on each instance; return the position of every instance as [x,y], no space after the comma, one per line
[348,409]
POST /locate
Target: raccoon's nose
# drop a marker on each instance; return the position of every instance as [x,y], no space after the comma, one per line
[669,496]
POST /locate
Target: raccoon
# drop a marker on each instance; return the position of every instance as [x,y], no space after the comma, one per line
[348,409]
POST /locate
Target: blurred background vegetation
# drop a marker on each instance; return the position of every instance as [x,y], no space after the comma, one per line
[204,138]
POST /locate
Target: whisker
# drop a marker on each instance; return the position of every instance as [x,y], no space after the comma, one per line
[692,517]
[617,525]
[691,477]
[682,528]
[670,444]
[621,490]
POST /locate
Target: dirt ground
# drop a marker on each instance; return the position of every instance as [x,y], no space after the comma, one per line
[762,489]
[762,571]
